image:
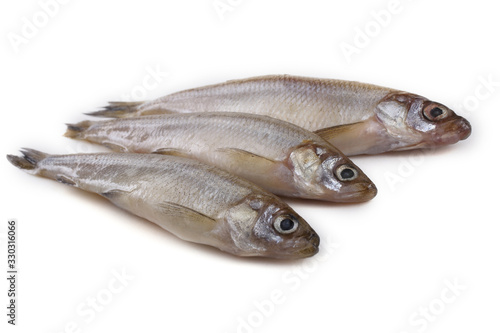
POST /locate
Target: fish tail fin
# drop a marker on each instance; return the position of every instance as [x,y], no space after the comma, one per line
[29,161]
[117,110]
[75,131]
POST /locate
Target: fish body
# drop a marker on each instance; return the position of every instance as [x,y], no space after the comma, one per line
[276,155]
[194,201]
[357,118]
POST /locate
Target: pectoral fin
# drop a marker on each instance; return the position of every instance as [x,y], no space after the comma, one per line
[262,171]
[193,220]
[330,133]
[245,157]
[364,137]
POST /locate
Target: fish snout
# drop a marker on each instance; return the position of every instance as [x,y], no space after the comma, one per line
[312,247]
[361,192]
[464,128]
[452,131]
[370,191]
[314,240]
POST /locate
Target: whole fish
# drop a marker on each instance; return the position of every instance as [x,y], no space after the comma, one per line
[194,201]
[278,156]
[355,117]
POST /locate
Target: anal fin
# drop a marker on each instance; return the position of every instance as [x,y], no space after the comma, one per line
[65,180]
[114,147]
[114,194]
[171,151]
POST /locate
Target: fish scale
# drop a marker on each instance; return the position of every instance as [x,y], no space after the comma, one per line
[278,156]
[277,96]
[357,118]
[192,200]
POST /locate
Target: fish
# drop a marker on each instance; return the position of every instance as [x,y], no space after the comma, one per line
[280,157]
[194,201]
[357,118]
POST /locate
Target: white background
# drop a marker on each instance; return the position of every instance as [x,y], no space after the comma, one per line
[382,264]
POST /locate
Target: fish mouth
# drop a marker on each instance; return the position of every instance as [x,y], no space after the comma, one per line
[451,132]
[314,239]
[465,128]
[456,130]
[361,193]
[311,249]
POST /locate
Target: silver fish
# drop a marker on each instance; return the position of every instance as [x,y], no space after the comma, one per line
[355,117]
[194,201]
[276,155]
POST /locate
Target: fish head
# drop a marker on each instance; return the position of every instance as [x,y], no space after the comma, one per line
[323,172]
[263,225]
[416,122]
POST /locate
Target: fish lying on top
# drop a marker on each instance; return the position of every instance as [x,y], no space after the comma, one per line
[194,201]
[357,118]
[278,156]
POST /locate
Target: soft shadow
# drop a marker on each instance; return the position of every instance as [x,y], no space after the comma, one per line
[175,242]
[323,204]
[405,153]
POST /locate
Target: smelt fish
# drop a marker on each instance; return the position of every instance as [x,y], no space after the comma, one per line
[194,201]
[357,118]
[278,156]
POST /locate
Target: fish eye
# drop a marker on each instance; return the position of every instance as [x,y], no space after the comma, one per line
[434,112]
[285,224]
[346,173]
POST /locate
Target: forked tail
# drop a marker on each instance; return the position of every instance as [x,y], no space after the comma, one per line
[29,161]
[75,131]
[117,110]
